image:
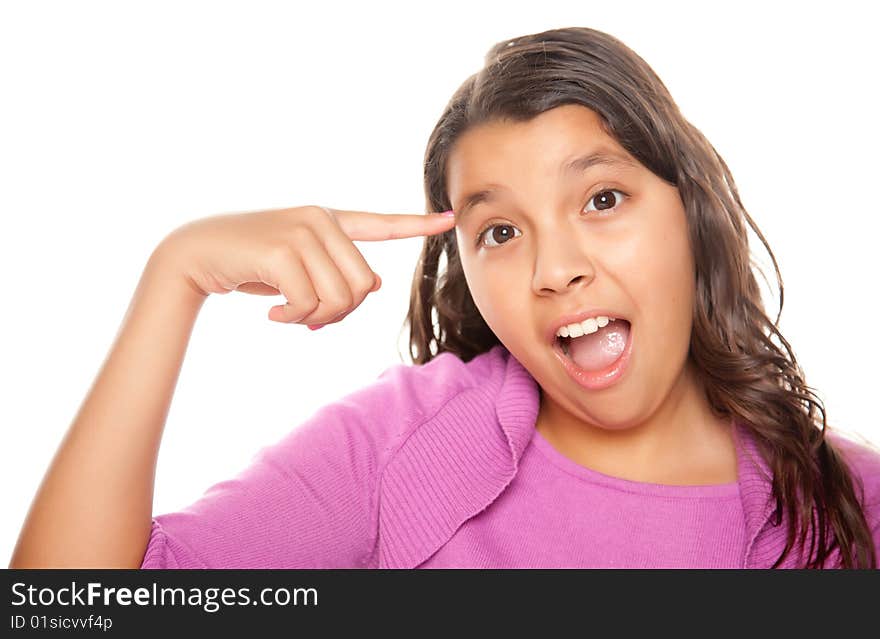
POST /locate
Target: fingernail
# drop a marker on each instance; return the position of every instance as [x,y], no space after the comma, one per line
[314,327]
[448,213]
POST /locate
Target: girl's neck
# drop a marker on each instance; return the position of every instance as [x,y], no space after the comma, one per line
[682,443]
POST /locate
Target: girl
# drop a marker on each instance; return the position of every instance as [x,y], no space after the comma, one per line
[596,382]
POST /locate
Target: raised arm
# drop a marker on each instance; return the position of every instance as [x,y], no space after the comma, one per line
[94,505]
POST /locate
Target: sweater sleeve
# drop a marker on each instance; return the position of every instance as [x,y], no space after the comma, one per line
[307,501]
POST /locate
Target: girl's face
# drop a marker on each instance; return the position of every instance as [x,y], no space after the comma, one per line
[612,236]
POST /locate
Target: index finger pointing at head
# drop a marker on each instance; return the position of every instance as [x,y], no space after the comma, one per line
[361,225]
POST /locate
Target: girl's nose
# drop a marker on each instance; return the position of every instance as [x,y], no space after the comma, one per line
[562,265]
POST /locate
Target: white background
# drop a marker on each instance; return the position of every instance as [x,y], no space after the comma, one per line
[120,121]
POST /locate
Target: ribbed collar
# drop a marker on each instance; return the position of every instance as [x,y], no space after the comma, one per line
[457,461]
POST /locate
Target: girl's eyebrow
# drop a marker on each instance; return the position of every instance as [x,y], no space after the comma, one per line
[579,164]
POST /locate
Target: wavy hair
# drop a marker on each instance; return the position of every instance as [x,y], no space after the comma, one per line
[746,374]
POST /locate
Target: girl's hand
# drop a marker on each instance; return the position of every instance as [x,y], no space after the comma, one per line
[305,253]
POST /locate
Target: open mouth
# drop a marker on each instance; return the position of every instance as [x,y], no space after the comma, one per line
[599,348]
[597,359]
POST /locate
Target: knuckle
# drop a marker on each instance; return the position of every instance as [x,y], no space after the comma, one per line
[365,285]
[318,213]
[280,254]
[311,209]
[301,234]
[305,308]
[342,301]
[326,211]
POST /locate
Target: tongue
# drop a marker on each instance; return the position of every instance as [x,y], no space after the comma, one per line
[598,350]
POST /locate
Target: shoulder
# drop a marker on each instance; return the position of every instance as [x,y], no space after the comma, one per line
[383,413]
[863,458]
[427,386]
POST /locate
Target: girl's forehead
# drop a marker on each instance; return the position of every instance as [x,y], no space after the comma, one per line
[553,138]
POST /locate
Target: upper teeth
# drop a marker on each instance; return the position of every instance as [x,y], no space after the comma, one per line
[590,325]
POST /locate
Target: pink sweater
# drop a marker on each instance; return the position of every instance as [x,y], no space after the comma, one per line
[440,465]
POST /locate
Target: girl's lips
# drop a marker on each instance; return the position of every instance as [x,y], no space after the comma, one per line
[596,380]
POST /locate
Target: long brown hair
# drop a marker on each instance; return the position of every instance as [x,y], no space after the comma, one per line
[746,374]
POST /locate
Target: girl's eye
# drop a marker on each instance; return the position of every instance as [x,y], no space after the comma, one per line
[606,201]
[499,234]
